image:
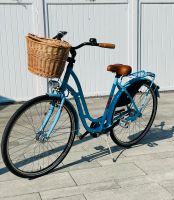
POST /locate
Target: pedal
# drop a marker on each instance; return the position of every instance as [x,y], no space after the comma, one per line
[83,135]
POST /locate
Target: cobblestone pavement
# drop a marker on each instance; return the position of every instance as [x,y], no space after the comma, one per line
[144,172]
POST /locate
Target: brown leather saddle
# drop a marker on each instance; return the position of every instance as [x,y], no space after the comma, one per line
[120,69]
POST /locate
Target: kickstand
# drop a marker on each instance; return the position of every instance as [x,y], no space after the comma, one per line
[105,137]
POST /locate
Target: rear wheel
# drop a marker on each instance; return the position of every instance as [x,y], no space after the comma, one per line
[127,133]
[23,152]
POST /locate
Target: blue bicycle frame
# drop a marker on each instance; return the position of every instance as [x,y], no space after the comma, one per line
[106,120]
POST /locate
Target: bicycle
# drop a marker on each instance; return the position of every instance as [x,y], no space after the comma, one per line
[41,132]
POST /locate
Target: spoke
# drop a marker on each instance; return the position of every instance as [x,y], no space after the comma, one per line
[20,144]
[41,111]
[57,141]
[52,149]
[144,120]
[134,130]
[24,126]
[30,122]
[140,124]
[60,133]
[33,157]
[30,142]
[38,114]
[39,154]
[146,106]
[120,132]
[147,112]
[19,138]
[19,133]
[54,131]
[53,144]
[22,154]
[64,121]
[43,151]
[62,128]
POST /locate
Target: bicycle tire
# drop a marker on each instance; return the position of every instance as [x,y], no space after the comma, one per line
[117,139]
[16,168]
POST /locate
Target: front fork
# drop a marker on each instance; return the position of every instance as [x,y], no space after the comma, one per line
[46,135]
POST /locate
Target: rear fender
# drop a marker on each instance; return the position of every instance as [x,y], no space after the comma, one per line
[133,86]
[121,99]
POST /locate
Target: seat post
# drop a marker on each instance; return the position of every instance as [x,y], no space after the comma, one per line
[117,76]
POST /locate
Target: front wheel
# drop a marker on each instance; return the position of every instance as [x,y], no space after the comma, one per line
[23,153]
[127,132]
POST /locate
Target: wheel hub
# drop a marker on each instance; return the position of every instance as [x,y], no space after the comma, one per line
[41,136]
[124,123]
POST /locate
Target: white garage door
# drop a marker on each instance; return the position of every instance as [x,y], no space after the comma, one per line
[16,20]
[142,30]
[105,20]
[157,41]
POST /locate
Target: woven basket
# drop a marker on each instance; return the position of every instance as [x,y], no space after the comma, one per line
[46,57]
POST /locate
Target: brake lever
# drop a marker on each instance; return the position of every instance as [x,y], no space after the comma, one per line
[93,41]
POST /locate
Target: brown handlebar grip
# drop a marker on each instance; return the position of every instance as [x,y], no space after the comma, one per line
[107,45]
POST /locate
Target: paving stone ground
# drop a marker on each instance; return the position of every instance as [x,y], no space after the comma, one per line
[145,171]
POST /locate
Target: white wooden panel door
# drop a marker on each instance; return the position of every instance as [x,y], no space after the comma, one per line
[16,83]
[105,20]
[157,41]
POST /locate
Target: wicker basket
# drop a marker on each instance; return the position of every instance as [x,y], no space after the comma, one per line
[46,57]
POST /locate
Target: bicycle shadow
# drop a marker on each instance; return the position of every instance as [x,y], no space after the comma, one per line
[157,133]
[94,156]
[4,170]
[154,135]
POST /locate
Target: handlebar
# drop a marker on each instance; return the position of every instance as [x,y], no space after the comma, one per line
[92,42]
[103,45]
[107,45]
